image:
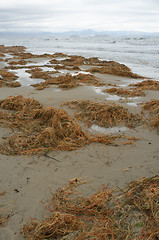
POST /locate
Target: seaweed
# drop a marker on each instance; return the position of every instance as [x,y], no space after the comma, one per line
[65,82]
[39,129]
[8,79]
[153,108]
[130,213]
[103,114]
[147,85]
[115,68]
[123,92]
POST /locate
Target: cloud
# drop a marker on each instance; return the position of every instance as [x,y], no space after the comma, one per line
[64,15]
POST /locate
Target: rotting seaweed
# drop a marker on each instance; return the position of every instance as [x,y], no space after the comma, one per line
[123,92]
[115,68]
[66,81]
[130,213]
[20,58]
[103,114]
[39,129]
[8,79]
[153,108]
[147,85]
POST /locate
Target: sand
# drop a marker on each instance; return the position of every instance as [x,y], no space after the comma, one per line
[26,180]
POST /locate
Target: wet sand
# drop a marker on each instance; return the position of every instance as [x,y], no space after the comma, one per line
[26,180]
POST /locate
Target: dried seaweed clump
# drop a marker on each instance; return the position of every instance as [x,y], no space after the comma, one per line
[132,214]
[127,93]
[153,108]
[147,85]
[64,82]
[39,129]
[73,61]
[67,81]
[104,115]
[12,49]
[115,68]
[21,62]
[39,73]
[8,79]
[144,194]
[7,75]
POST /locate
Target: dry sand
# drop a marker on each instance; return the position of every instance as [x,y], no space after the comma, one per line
[25,180]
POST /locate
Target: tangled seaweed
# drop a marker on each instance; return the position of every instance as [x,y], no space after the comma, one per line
[8,79]
[105,115]
[153,108]
[20,58]
[39,129]
[115,68]
[13,49]
[127,93]
[131,213]
[147,85]
[67,81]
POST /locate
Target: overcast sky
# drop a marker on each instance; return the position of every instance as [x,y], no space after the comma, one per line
[67,15]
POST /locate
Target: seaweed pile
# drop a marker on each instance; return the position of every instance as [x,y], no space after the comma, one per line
[153,108]
[147,85]
[66,81]
[131,213]
[8,79]
[20,62]
[115,68]
[39,129]
[122,92]
[105,115]
[20,58]
[14,50]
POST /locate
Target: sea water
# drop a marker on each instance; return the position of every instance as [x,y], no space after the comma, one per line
[141,54]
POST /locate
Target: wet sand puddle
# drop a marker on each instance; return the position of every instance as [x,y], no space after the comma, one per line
[24,77]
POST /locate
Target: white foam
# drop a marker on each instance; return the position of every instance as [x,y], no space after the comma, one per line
[134,104]
[108,130]
[99,90]
[76,73]
[113,97]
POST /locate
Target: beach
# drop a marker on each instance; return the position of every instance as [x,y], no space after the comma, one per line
[27,179]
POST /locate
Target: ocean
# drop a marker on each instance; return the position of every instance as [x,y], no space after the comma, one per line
[141,54]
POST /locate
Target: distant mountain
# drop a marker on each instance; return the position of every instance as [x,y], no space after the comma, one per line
[87,32]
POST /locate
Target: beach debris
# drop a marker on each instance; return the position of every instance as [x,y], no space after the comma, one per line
[115,68]
[65,82]
[19,59]
[51,157]
[12,49]
[104,114]
[153,108]
[147,85]
[130,213]
[20,62]
[8,79]
[126,93]
[38,129]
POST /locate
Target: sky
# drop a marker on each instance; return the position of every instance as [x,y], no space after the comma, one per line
[75,15]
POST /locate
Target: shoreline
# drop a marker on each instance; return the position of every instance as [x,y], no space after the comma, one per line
[25,180]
